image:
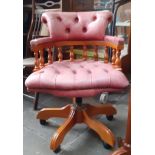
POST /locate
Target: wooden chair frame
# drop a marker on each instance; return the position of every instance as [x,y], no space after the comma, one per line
[76,112]
[39,52]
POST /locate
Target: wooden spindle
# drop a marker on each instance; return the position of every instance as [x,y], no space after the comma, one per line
[50,61]
[71,53]
[36,61]
[96,53]
[60,56]
[85,52]
[118,60]
[113,56]
[41,65]
[106,57]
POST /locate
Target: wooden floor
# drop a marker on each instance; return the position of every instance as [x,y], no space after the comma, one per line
[80,140]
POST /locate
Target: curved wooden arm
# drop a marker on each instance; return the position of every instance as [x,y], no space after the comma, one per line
[117,44]
[110,41]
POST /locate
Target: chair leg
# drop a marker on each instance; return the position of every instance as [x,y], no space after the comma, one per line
[105,134]
[62,131]
[106,109]
[47,113]
[78,113]
[121,151]
[35,101]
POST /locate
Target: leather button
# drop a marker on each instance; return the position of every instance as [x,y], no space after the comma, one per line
[76,19]
[44,20]
[94,18]
[89,71]
[109,19]
[67,30]
[84,29]
[105,70]
[73,71]
[57,72]
[59,19]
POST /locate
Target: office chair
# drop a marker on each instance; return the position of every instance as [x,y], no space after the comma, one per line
[77,78]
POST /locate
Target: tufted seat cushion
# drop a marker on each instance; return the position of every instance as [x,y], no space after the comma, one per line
[77,76]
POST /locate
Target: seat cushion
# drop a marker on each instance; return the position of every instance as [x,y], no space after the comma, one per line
[77,75]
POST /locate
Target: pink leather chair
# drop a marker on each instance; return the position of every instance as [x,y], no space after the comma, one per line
[77,78]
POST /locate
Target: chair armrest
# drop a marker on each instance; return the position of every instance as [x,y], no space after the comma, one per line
[117,45]
[114,41]
[110,40]
[36,44]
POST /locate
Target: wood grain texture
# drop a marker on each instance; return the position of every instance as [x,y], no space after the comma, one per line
[97,109]
[76,43]
[36,61]
[118,60]
[106,57]
[60,56]
[50,61]
[41,60]
[96,53]
[47,113]
[105,134]
[84,52]
[113,56]
[62,131]
[71,53]
[79,114]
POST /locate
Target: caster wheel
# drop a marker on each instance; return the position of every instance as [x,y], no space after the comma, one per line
[107,146]
[57,150]
[43,122]
[110,117]
[104,98]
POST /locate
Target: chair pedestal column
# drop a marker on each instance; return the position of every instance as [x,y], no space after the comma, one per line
[79,113]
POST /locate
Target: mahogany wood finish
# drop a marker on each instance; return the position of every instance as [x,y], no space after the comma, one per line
[105,134]
[79,114]
[36,63]
[76,43]
[84,52]
[113,56]
[50,55]
[62,130]
[60,56]
[41,51]
[106,55]
[47,113]
[39,63]
[118,60]
[71,53]
[96,53]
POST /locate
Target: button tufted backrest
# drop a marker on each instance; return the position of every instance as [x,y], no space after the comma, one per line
[77,25]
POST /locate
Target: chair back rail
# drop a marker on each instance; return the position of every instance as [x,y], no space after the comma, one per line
[47,47]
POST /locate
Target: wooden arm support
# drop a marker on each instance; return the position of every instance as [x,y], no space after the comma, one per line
[39,45]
